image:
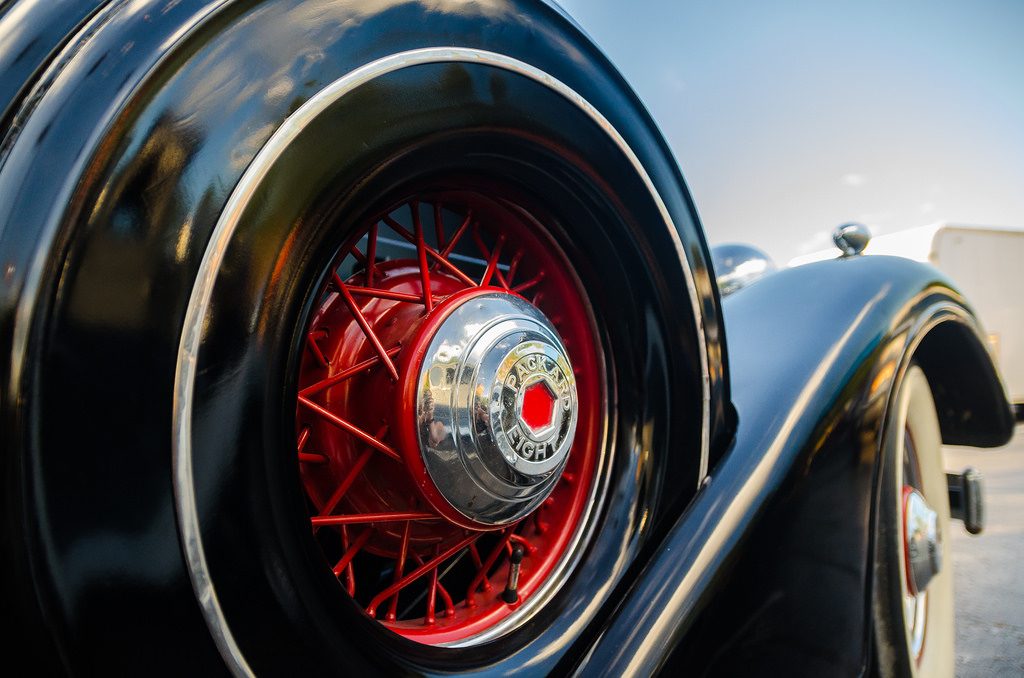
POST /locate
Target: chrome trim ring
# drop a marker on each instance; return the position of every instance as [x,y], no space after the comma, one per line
[481,455]
[202,292]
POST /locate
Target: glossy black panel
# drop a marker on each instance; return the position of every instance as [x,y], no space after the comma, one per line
[31,32]
[769,564]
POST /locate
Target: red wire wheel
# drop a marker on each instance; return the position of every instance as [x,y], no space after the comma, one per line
[420,566]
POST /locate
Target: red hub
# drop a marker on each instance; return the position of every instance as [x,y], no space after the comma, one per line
[413,561]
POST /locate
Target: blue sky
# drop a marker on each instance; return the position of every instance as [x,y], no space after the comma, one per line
[789,118]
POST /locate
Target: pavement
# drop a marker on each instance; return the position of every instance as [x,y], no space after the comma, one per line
[989,569]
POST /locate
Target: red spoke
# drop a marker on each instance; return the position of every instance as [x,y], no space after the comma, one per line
[449,606]
[478,563]
[365,325]
[536,298]
[371,609]
[475,555]
[361,518]
[532,282]
[428,619]
[315,347]
[350,573]
[450,247]
[512,266]
[421,249]
[308,457]
[371,254]
[436,587]
[492,262]
[485,251]
[459,232]
[481,574]
[340,491]
[438,225]
[392,613]
[384,294]
[492,265]
[345,374]
[452,268]
[351,428]
[352,551]
[497,269]
[360,257]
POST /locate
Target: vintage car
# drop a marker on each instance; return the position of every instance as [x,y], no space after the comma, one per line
[350,336]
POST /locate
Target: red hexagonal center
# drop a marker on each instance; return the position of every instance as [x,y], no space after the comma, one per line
[538,405]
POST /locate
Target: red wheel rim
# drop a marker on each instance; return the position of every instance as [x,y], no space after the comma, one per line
[410,560]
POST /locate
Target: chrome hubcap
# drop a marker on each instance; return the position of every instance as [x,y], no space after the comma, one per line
[922,541]
[496,408]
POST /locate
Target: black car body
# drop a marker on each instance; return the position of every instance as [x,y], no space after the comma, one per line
[740,536]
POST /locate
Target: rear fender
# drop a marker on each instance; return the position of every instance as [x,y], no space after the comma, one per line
[785,517]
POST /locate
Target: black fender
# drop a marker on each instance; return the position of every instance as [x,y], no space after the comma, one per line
[769,565]
[32,33]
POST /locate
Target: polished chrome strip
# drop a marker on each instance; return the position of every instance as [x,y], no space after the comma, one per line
[191,339]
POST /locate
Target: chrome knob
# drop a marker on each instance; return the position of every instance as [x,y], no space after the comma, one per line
[851,239]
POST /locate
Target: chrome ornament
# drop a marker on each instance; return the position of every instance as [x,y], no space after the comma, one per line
[496,408]
[851,239]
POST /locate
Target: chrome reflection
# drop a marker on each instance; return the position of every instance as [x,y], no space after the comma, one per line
[482,453]
[922,541]
[851,239]
[737,266]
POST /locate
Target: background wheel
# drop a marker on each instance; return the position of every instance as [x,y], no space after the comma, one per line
[914,622]
[214,178]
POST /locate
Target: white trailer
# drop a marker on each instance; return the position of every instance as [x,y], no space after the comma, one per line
[987,265]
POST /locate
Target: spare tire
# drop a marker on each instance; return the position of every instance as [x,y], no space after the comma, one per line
[211,209]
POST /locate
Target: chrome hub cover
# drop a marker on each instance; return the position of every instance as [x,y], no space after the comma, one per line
[496,408]
[922,541]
